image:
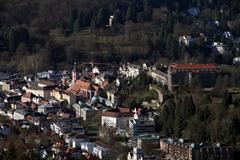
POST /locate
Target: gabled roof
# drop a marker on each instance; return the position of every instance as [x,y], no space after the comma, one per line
[29,95]
[81,85]
[47,83]
[124,109]
[194,67]
[117,113]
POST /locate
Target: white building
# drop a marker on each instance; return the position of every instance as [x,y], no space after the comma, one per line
[129,71]
[66,126]
[191,39]
[111,20]
[103,153]
[47,108]
[20,114]
[40,88]
[87,147]
[236,60]
[75,142]
[84,111]
[159,76]
[186,40]
[141,125]
[137,154]
[219,47]
[116,119]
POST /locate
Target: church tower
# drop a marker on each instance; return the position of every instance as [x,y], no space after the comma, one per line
[74,72]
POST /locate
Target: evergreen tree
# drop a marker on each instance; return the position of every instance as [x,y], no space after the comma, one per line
[18,34]
[147,11]
[227,100]
[131,14]
[188,106]
[73,18]
[77,27]
[102,17]
[179,120]
[168,116]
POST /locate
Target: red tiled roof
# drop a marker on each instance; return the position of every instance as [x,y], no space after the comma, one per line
[28,95]
[194,67]
[95,87]
[105,84]
[116,114]
[47,83]
[124,109]
[81,85]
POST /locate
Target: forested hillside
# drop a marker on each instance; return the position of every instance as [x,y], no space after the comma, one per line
[51,33]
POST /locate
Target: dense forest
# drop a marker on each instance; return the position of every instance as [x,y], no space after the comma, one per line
[36,35]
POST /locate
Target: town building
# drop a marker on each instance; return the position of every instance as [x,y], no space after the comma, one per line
[12,96]
[40,88]
[84,111]
[87,147]
[20,114]
[104,69]
[159,76]
[6,85]
[129,70]
[62,127]
[116,118]
[62,95]
[138,154]
[103,153]
[141,125]
[219,47]
[236,60]
[27,97]
[191,39]
[185,150]
[82,89]
[175,74]
[48,108]
[207,74]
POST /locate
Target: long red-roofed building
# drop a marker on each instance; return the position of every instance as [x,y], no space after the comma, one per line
[194,68]
[206,74]
[176,74]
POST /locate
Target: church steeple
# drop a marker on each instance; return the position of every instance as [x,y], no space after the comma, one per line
[74,72]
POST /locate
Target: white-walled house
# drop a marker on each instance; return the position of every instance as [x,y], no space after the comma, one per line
[20,114]
[116,119]
[129,70]
[102,152]
[236,60]
[219,47]
[66,126]
[87,147]
[47,108]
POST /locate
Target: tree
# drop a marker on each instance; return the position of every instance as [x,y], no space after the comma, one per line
[188,107]
[168,116]
[73,18]
[77,27]
[131,14]
[17,34]
[147,11]
[102,17]
[227,99]
[205,99]
[179,120]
